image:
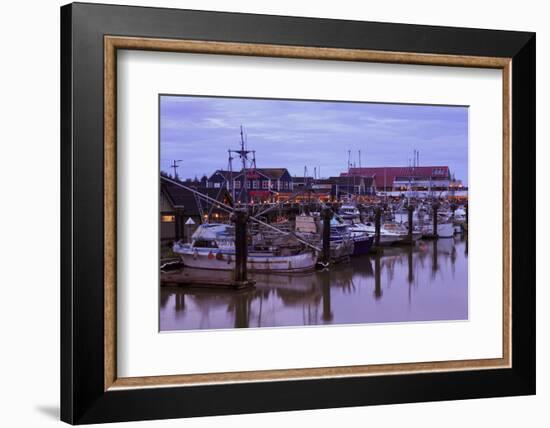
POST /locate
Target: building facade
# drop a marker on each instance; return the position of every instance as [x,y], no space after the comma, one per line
[262,184]
[180,208]
[399,179]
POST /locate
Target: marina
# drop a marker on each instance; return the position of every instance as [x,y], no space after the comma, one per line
[254,246]
[303,260]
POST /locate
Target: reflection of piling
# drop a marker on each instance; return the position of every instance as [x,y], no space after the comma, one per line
[435,208]
[410,276]
[377,281]
[377,221]
[180,301]
[240,218]
[435,266]
[242,312]
[325,284]
[327,217]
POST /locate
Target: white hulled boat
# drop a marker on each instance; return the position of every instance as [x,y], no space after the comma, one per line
[213,247]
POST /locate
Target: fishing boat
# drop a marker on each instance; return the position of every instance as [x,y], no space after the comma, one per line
[341,232]
[387,237]
[459,220]
[402,229]
[444,230]
[212,247]
[348,211]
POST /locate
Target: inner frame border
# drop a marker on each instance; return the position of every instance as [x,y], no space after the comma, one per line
[113,43]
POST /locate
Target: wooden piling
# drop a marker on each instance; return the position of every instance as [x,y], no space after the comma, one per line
[377,225]
[240,218]
[435,208]
[327,217]
[410,211]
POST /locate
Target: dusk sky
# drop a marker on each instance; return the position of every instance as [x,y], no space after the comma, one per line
[293,134]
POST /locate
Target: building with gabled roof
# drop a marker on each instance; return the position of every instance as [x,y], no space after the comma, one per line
[177,205]
[263,184]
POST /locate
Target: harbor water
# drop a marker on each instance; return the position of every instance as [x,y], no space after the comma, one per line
[427,282]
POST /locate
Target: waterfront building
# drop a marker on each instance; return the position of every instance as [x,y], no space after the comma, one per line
[398,180]
[263,184]
[343,187]
[302,183]
[177,205]
[221,178]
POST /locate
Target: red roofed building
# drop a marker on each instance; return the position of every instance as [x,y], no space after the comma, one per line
[394,178]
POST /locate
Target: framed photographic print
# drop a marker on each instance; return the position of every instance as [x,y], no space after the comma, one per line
[264,213]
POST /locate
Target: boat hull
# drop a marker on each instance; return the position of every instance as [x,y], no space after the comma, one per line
[212,260]
[444,230]
[362,246]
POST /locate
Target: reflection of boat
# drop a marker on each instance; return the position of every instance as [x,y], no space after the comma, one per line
[213,247]
[263,280]
[445,247]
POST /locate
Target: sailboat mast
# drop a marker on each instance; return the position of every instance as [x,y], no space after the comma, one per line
[243,158]
[232,185]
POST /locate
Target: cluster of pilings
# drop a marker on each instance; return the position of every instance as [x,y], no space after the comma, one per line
[240,218]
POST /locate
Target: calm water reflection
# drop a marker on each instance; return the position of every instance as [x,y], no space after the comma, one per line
[426,283]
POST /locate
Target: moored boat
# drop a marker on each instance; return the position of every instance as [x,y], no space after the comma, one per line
[342,232]
[213,247]
[348,211]
[444,230]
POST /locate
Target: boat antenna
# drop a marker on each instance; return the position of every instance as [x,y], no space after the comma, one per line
[175,167]
[242,153]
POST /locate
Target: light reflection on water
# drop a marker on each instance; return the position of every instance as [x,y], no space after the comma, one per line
[425,283]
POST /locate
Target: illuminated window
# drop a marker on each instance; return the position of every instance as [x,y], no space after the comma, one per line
[256,184]
[265,184]
[168,218]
